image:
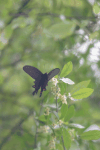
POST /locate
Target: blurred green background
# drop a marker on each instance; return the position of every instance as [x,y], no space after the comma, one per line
[46,34]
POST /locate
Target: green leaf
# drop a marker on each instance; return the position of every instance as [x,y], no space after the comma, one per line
[92,145]
[59,147]
[91,135]
[42,118]
[62,29]
[94,35]
[66,69]
[96,8]
[70,113]
[1,79]
[62,87]
[64,110]
[58,132]
[1,45]
[56,114]
[82,93]
[8,31]
[80,85]
[66,138]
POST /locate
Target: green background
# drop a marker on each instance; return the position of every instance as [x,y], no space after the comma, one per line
[44,34]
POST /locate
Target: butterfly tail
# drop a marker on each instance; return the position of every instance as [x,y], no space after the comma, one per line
[34,92]
[40,94]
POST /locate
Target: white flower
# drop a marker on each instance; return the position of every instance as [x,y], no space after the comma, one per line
[52,144]
[54,80]
[47,111]
[43,129]
[69,95]
[63,98]
[60,122]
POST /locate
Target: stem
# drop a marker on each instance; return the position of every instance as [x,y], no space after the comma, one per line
[56,105]
[56,101]
[35,140]
[63,143]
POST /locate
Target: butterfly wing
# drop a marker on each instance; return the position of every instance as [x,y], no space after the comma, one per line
[52,73]
[33,72]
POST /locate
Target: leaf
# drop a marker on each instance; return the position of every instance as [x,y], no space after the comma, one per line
[91,135]
[67,80]
[59,147]
[56,114]
[62,87]
[50,105]
[80,85]
[66,138]
[96,8]
[58,131]
[64,110]
[42,118]
[92,127]
[62,29]
[1,45]
[82,93]
[8,31]
[76,125]
[66,69]
[94,35]
[70,113]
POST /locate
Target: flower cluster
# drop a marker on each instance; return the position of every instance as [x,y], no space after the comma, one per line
[43,129]
[72,133]
[47,111]
[56,91]
[52,144]
[60,122]
[63,98]
[54,125]
[54,81]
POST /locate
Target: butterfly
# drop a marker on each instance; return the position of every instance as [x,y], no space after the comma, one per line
[41,80]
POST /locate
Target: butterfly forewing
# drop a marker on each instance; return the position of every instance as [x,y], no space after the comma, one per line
[33,72]
[52,73]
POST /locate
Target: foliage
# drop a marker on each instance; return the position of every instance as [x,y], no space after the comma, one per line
[47,35]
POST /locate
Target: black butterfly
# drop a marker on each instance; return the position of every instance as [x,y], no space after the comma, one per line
[41,79]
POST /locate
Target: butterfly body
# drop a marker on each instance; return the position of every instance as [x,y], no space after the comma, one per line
[41,83]
[41,79]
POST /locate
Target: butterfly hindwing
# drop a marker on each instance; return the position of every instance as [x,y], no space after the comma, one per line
[52,73]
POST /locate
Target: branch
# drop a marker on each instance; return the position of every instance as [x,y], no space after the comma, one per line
[63,143]
[67,17]
[35,140]
[15,128]
[24,3]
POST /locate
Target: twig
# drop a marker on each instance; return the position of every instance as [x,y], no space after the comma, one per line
[15,128]
[63,143]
